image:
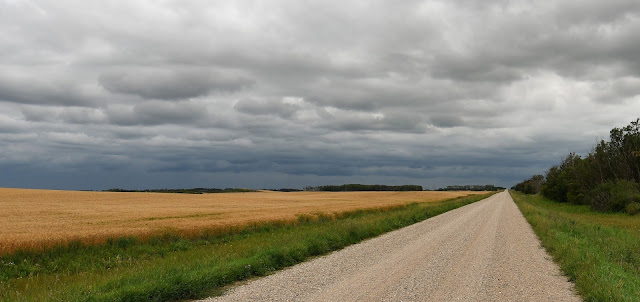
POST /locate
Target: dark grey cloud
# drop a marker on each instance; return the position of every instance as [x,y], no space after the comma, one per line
[32,89]
[447,121]
[393,122]
[156,113]
[289,94]
[266,107]
[71,115]
[153,83]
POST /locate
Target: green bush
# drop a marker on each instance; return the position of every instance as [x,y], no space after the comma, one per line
[633,208]
[614,195]
[555,186]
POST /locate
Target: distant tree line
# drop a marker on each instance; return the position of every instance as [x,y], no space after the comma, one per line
[471,188]
[360,187]
[608,179]
[532,185]
[286,190]
[186,191]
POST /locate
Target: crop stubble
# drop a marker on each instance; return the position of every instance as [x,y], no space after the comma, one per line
[39,218]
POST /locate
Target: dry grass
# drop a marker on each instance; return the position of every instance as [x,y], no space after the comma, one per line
[37,218]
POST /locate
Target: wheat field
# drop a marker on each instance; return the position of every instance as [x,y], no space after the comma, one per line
[40,218]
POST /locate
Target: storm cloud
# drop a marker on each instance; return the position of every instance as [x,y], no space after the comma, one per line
[259,94]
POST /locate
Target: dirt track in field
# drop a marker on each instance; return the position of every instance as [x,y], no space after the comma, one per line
[485,251]
[33,218]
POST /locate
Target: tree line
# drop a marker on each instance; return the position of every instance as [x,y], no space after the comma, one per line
[532,185]
[186,191]
[471,188]
[607,179]
[361,187]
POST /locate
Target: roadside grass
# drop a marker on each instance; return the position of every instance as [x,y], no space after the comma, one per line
[599,252]
[171,267]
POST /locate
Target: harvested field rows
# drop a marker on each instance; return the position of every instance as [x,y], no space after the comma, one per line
[36,218]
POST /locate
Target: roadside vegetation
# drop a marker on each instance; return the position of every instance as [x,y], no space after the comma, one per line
[607,179]
[599,252]
[172,267]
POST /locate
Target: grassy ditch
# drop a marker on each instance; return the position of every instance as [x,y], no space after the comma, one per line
[171,267]
[600,252]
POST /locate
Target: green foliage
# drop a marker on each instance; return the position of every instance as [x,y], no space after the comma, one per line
[360,187]
[531,185]
[633,208]
[607,179]
[614,195]
[169,267]
[555,186]
[599,252]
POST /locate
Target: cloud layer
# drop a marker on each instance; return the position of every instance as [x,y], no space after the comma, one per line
[288,93]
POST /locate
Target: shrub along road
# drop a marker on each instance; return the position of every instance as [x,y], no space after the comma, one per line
[483,251]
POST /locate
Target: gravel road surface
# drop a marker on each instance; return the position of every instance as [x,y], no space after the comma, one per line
[485,251]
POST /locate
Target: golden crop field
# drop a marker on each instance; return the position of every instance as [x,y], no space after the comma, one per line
[36,218]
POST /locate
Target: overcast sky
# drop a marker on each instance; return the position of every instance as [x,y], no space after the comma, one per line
[272,94]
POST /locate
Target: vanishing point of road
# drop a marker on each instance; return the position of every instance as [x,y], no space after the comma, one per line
[485,251]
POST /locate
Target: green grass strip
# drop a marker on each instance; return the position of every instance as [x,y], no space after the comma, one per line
[170,268]
[599,252]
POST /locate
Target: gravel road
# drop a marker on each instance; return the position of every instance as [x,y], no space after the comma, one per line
[485,251]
